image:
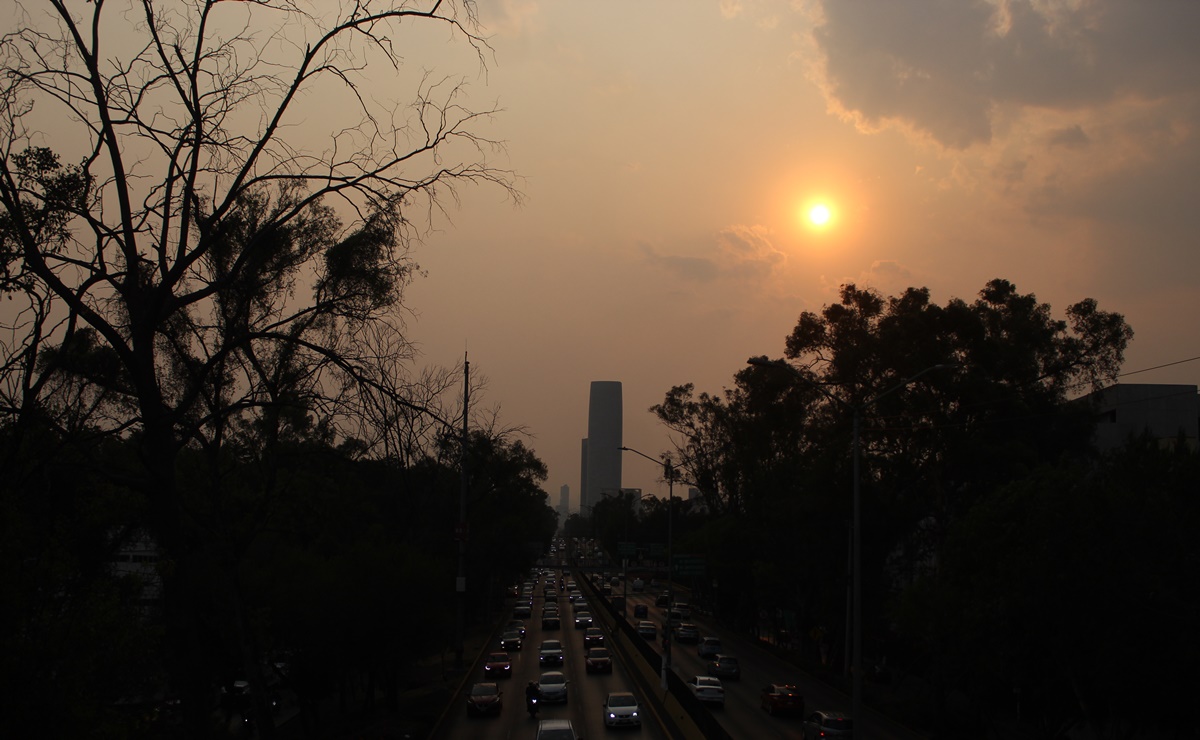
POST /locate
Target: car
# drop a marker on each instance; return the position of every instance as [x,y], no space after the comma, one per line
[485,699]
[497,665]
[621,710]
[724,666]
[826,724]
[782,698]
[553,685]
[685,610]
[647,630]
[707,689]
[550,653]
[598,660]
[639,584]
[663,599]
[522,611]
[640,611]
[550,621]
[687,632]
[708,647]
[583,620]
[511,640]
[593,637]
[555,729]
[517,625]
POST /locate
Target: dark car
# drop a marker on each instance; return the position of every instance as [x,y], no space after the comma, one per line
[516,625]
[663,599]
[511,640]
[640,611]
[782,698]
[583,620]
[593,637]
[724,666]
[598,660]
[826,724]
[484,699]
[551,621]
[497,665]
[550,653]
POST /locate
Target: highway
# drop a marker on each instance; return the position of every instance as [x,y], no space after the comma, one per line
[586,692]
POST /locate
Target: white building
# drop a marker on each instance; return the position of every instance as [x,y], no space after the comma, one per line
[1166,412]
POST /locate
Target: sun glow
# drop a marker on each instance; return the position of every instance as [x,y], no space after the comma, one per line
[817,215]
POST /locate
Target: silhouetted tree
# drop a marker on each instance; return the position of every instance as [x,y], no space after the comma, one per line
[227,266]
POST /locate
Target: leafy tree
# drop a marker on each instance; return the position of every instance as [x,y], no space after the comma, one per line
[774,451]
[225,268]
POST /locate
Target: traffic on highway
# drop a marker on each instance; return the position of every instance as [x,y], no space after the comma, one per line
[557,638]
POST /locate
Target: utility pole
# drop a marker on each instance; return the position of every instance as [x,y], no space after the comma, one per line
[460,585]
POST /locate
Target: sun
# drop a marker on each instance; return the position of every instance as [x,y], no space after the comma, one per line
[819,215]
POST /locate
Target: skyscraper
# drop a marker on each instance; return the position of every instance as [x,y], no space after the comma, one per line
[564,503]
[603,444]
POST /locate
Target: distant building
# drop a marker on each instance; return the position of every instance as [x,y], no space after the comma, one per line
[603,444]
[564,503]
[583,473]
[1165,412]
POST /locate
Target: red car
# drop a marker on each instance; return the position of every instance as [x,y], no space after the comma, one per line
[497,665]
[781,698]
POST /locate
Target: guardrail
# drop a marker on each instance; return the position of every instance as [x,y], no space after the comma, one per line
[680,714]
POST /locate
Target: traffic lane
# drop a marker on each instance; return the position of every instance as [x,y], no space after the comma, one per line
[742,715]
[761,667]
[586,693]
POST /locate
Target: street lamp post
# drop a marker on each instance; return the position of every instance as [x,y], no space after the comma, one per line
[669,474]
[855,528]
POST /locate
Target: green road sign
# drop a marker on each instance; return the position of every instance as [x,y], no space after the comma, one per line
[688,565]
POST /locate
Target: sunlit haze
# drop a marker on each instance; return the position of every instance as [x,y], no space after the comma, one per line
[674,157]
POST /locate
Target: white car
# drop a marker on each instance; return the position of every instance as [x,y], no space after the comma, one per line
[707,689]
[647,630]
[554,687]
[709,647]
[621,710]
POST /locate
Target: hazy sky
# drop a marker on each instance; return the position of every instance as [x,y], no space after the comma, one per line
[670,149]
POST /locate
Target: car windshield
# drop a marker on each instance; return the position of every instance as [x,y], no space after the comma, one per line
[551,645]
[553,680]
[512,635]
[484,689]
[498,657]
[702,681]
[597,653]
[785,691]
[621,700]
[556,735]
[727,661]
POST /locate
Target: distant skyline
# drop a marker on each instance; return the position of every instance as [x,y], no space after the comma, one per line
[671,154]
